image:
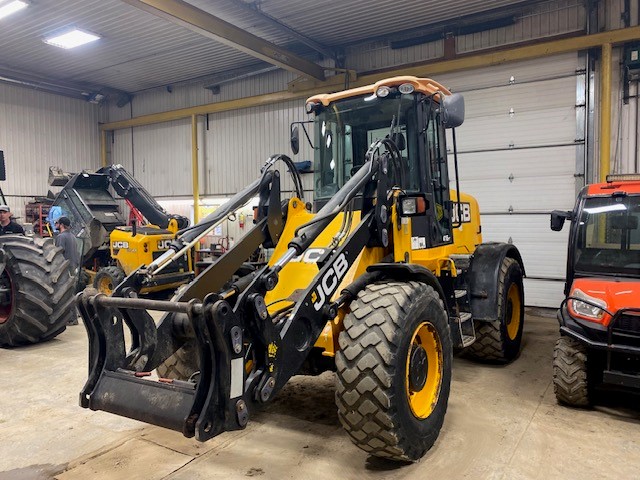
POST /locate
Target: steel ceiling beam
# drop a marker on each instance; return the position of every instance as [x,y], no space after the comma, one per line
[274,22]
[304,89]
[199,21]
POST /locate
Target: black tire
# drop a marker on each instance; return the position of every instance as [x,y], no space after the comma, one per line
[570,374]
[182,364]
[40,299]
[372,385]
[500,340]
[107,279]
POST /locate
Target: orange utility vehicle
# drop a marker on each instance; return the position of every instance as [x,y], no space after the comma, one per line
[600,318]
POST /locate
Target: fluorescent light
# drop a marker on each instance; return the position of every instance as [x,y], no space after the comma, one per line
[12,7]
[71,39]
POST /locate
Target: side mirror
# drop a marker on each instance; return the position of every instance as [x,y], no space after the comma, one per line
[295,140]
[452,110]
[3,172]
[557,219]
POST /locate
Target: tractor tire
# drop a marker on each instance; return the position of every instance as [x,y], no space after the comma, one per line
[393,369]
[107,279]
[40,291]
[570,374]
[182,364]
[500,340]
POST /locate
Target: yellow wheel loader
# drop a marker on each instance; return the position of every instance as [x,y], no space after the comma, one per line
[381,284]
[111,250]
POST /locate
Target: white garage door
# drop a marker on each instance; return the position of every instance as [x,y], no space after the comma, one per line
[520,153]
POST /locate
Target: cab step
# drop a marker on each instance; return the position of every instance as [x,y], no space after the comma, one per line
[463,331]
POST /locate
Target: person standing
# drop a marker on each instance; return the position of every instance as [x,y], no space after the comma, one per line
[8,226]
[67,241]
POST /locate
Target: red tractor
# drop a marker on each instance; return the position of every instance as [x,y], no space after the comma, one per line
[599,342]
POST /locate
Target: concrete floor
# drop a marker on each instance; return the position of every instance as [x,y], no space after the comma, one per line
[502,423]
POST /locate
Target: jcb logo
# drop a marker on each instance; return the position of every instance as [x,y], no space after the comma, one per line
[465,208]
[164,244]
[330,282]
[312,255]
[118,245]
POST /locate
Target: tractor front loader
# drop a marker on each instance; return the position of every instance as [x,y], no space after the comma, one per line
[381,285]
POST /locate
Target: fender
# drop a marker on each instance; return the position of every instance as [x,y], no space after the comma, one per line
[482,278]
[404,271]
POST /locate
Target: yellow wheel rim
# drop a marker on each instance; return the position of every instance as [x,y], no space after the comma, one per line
[424,370]
[513,311]
[105,285]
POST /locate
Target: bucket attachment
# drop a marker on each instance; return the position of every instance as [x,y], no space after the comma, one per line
[121,382]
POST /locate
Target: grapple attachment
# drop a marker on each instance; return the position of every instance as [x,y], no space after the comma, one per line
[120,380]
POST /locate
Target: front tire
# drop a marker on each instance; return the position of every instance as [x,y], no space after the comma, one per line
[570,374]
[500,340]
[38,291]
[394,369]
[107,279]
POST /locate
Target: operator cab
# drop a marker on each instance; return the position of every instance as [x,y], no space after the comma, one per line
[409,113]
[605,233]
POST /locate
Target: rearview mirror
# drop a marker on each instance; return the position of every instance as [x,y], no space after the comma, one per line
[295,140]
[452,110]
[557,219]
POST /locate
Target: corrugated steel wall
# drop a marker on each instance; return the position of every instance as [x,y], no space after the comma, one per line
[38,130]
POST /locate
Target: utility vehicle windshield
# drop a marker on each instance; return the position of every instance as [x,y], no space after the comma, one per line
[345,129]
[608,236]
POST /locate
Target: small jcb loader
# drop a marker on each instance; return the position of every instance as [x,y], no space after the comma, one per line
[381,285]
[599,344]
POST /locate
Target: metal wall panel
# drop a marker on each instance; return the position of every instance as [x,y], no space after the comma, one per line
[546,19]
[241,141]
[38,130]
[377,55]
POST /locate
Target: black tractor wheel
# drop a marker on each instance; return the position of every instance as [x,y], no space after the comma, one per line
[182,364]
[570,374]
[394,369]
[107,279]
[500,340]
[36,291]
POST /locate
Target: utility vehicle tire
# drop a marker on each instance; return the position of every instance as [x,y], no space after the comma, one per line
[500,340]
[570,375]
[39,299]
[182,364]
[107,279]
[394,369]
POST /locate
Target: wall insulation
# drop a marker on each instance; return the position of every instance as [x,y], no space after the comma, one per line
[38,130]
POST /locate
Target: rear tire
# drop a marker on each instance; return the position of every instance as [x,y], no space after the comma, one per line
[500,340]
[107,279]
[570,373]
[394,370]
[40,299]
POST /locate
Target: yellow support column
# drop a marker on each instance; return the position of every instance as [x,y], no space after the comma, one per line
[605,111]
[194,167]
[103,148]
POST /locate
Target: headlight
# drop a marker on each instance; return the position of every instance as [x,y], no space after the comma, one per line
[593,310]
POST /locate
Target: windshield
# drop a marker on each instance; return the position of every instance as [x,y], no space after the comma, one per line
[608,238]
[346,128]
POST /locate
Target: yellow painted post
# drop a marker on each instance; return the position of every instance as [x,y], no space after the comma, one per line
[103,148]
[605,111]
[194,167]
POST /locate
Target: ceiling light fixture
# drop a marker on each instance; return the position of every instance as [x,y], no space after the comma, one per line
[71,39]
[12,7]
